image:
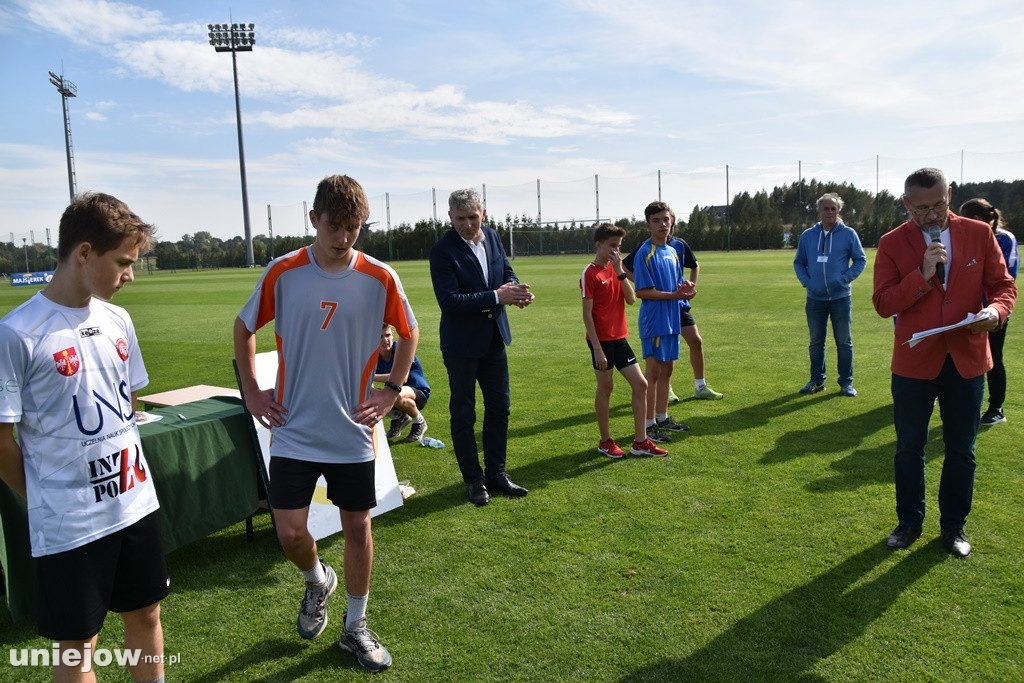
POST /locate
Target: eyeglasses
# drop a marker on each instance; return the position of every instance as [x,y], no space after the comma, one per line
[923,211]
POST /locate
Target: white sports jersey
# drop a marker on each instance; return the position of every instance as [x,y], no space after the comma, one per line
[66,379]
[327,327]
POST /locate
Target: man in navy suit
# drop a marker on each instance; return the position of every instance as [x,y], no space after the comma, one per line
[473,282]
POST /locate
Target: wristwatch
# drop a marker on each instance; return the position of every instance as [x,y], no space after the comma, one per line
[394,387]
[622,276]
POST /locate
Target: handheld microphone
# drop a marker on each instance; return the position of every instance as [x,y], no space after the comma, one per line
[940,268]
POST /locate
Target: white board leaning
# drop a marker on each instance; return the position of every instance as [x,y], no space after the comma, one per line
[324,518]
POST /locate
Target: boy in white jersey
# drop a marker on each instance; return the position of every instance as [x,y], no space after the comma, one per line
[328,302]
[72,370]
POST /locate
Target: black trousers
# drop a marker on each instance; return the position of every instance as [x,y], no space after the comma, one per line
[491,373]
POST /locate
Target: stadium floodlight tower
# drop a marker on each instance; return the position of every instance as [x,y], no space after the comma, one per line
[237,38]
[67,89]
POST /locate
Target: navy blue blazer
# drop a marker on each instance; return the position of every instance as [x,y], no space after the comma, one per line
[468,310]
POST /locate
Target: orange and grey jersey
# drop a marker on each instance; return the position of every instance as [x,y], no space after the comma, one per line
[327,327]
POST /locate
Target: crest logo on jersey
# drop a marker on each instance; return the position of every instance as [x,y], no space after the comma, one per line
[122,349]
[67,361]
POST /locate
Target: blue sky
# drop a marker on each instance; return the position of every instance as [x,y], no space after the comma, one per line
[410,97]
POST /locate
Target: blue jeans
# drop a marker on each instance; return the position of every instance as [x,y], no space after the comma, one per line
[959,407]
[818,313]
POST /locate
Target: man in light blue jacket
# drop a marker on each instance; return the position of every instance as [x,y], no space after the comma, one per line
[828,258]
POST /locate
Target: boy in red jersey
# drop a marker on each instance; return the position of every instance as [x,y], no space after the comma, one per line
[605,293]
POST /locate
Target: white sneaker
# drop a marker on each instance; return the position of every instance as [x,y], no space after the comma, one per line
[365,645]
[313,613]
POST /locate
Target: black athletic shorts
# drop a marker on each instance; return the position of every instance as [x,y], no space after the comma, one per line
[686,318]
[122,572]
[350,486]
[618,353]
[421,398]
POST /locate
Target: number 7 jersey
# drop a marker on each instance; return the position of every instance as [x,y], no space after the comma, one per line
[327,328]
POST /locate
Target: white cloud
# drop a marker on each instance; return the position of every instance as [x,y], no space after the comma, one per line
[337,91]
[93,21]
[872,57]
[95,116]
[313,39]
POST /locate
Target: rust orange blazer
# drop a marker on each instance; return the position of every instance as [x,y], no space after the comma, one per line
[900,289]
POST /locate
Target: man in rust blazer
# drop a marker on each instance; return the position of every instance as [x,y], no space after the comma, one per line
[931,272]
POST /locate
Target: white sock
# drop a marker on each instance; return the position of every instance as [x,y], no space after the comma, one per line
[661,417]
[316,574]
[699,384]
[356,609]
[650,421]
[419,419]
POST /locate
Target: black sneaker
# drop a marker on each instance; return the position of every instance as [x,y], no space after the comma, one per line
[992,416]
[670,425]
[417,432]
[902,536]
[657,436]
[397,425]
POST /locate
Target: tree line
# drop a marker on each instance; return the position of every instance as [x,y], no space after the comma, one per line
[764,220]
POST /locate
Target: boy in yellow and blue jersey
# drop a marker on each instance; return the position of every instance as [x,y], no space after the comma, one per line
[660,285]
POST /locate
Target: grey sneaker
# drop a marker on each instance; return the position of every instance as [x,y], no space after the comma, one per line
[397,425]
[313,613]
[657,436]
[365,645]
[417,432]
[670,425]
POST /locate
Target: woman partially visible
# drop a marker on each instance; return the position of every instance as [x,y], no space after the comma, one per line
[981,210]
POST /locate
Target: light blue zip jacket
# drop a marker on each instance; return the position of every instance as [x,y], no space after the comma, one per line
[830,279]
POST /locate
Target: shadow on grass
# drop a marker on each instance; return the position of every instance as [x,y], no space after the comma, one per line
[758,415]
[20,634]
[870,466]
[786,638]
[274,653]
[842,434]
[564,422]
[534,476]
[225,559]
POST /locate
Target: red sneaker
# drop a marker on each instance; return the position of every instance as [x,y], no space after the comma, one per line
[610,448]
[648,448]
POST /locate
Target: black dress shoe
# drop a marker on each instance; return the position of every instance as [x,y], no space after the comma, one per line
[478,493]
[503,484]
[902,536]
[955,542]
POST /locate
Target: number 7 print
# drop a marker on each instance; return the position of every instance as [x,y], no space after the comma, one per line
[331,307]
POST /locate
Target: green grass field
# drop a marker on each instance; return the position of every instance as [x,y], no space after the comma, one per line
[754,551]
